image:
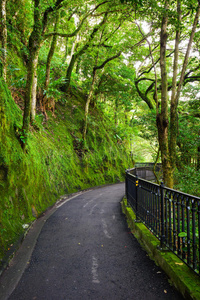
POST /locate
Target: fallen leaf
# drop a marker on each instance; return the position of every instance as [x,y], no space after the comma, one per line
[180,264]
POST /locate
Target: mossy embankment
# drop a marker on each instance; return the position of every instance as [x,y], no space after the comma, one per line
[53,163]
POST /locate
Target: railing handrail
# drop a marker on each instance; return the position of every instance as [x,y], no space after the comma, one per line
[137,164]
[166,188]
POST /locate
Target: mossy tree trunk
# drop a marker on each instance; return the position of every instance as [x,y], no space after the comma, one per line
[168,145]
[116,108]
[44,100]
[198,158]
[176,91]
[94,79]
[3,38]
[51,52]
[35,42]
[174,103]
[162,116]
[167,131]
[34,89]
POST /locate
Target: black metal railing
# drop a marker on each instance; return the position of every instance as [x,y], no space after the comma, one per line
[148,171]
[147,165]
[172,216]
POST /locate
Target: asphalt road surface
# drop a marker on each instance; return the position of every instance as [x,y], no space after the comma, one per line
[86,252]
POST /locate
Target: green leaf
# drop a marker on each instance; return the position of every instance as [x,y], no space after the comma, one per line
[182,234]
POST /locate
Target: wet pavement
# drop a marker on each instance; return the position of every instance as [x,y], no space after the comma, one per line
[86,252]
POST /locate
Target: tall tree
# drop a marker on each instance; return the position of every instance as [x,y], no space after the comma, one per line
[35,42]
[167,126]
[48,64]
[162,116]
[176,93]
[94,81]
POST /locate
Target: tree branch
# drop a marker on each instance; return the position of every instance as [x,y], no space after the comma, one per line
[49,10]
[106,61]
[67,35]
[187,53]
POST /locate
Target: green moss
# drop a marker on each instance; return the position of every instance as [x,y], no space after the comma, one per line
[54,164]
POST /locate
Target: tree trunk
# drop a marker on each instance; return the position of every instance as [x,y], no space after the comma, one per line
[73,49]
[198,158]
[4,38]
[174,104]
[34,89]
[35,42]
[69,72]
[94,79]
[176,93]
[51,52]
[88,103]
[29,90]
[44,100]
[116,111]
[66,51]
[162,117]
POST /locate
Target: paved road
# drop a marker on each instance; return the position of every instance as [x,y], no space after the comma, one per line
[85,252]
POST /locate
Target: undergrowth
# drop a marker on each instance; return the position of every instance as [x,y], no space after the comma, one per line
[54,163]
[187,180]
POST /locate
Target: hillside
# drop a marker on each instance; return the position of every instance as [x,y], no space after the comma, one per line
[54,163]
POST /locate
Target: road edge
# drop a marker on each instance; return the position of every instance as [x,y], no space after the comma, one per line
[17,260]
[14,267]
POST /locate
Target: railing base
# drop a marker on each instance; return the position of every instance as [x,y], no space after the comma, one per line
[137,221]
[163,249]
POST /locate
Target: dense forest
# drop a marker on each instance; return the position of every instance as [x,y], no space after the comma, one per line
[88,88]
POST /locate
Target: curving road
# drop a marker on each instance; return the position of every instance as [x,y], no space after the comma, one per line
[86,252]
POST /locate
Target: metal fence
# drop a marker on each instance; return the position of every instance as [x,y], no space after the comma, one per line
[147,171]
[147,165]
[173,217]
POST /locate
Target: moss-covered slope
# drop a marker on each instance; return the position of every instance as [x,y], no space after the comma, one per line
[54,162]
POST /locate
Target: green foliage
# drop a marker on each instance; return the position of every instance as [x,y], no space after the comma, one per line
[187,180]
[54,162]
[23,135]
[54,89]
[136,2]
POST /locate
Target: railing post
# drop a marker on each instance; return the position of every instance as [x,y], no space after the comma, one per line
[126,184]
[162,240]
[136,196]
